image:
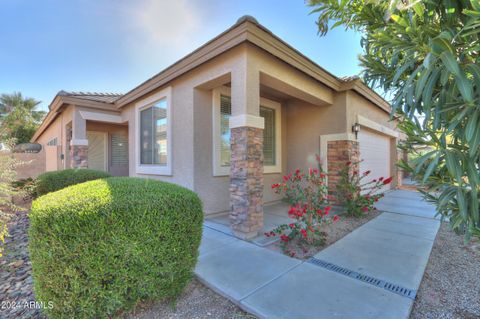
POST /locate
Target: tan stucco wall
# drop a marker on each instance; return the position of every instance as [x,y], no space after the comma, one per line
[56,129]
[306,123]
[182,138]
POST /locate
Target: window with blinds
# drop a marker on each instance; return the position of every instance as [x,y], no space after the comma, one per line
[268,133]
[153,137]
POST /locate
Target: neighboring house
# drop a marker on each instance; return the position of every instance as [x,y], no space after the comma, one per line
[226,121]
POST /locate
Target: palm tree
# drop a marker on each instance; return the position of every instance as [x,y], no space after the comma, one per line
[18,117]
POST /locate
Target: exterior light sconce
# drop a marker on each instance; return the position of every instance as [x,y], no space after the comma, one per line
[356,129]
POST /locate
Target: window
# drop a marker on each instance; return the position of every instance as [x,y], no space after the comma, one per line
[53,142]
[154,134]
[268,136]
[269,110]
[225,113]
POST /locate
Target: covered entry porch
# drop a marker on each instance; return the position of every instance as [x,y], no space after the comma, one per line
[98,140]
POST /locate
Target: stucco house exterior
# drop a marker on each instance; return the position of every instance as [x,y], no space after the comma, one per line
[227,121]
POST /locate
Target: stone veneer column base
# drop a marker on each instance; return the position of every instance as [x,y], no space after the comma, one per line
[79,156]
[338,154]
[246,181]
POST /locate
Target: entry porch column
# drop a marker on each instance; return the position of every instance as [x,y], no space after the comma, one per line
[246,163]
[78,142]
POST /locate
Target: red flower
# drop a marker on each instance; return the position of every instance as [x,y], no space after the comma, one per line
[348,163]
[275,185]
[335,218]
[284,238]
[292,225]
[374,181]
[322,175]
[319,212]
[304,232]
[366,173]
[380,179]
[286,178]
[355,172]
[365,209]
[387,181]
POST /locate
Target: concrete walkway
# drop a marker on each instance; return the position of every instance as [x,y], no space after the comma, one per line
[372,272]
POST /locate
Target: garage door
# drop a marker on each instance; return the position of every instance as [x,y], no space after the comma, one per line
[375,153]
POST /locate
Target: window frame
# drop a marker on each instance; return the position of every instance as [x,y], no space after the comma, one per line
[154,169]
[219,170]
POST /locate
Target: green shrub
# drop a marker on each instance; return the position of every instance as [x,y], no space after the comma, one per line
[99,247]
[53,181]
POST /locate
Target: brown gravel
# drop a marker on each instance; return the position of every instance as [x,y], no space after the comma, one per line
[196,302]
[450,288]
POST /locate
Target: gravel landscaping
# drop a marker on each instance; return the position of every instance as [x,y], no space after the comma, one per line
[196,302]
[450,288]
[16,284]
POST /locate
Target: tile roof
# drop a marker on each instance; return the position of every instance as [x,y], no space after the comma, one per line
[349,78]
[93,96]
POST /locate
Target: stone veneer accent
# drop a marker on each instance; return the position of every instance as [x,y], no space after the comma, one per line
[78,156]
[246,181]
[338,154]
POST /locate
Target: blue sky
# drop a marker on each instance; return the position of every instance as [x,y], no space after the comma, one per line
[114,45]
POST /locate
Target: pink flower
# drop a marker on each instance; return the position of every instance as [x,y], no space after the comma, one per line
[365,209]
[335,218]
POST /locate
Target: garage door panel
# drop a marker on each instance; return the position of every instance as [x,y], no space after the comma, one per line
[375,154]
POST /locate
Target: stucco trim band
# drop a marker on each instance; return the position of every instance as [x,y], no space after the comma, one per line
[246,120]
[79,142]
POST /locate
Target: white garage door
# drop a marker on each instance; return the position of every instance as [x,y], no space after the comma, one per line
[375,153]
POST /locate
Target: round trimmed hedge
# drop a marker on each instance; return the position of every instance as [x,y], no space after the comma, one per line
[56,180]
[99,247]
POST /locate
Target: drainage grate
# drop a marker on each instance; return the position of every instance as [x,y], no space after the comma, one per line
[409,293]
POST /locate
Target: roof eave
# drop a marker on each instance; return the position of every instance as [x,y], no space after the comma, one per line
[248,30]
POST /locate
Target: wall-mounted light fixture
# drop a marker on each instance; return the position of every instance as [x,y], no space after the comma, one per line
[356,129]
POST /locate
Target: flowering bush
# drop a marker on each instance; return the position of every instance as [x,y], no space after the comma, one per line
[358,194]
[306,192]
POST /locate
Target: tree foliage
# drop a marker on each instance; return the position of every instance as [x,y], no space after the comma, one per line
[19,118]
[425,53]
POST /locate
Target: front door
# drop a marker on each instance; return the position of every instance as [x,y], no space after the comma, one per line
[119,154]
[97,150]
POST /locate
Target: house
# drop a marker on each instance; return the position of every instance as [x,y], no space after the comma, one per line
[226,121]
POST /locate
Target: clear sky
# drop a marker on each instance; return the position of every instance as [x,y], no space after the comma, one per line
[114,45]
